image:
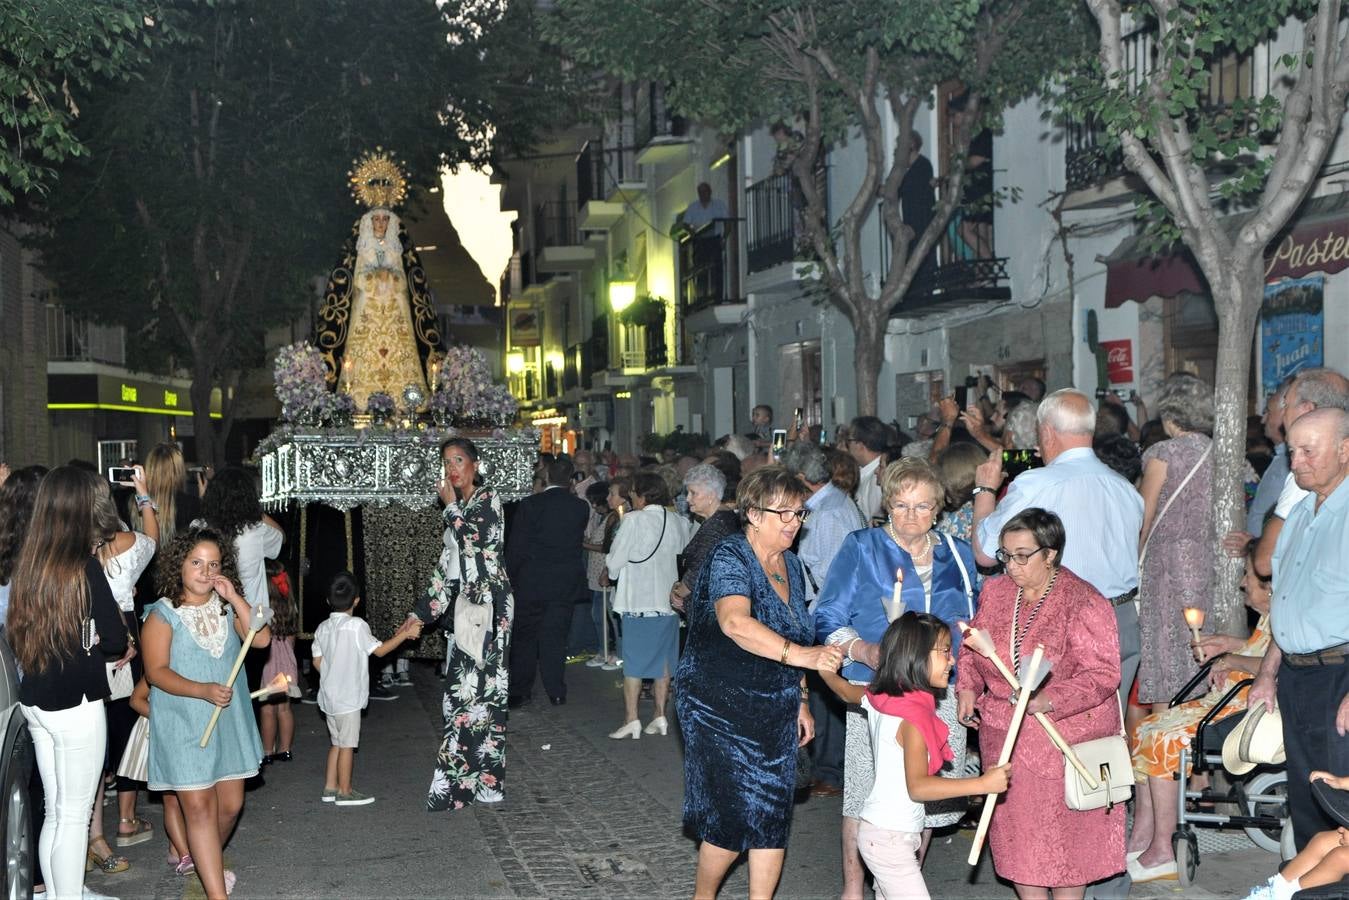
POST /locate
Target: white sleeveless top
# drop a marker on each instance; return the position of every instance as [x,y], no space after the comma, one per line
[124,570]
[888,805]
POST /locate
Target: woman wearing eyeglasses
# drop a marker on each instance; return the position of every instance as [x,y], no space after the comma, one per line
[937,575]
[1036,841]
[739,689]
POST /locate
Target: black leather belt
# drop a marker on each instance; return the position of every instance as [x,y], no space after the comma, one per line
[1127,597]
[1331,656]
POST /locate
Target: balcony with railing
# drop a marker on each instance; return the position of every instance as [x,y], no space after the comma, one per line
[557,238]
[708,273]
[1089,165]
[604,176]
[661,136]
[964,267]
[74,339]
[778,252]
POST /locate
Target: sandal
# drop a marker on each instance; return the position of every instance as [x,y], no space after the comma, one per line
[141,831]
[109,865]
[184,866]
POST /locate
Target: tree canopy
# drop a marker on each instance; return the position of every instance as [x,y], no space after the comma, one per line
[836,68]
[1205,153]
[52,53]
[214,189]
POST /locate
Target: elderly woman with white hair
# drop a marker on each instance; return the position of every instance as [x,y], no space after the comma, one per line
[705,486]
[1175,555]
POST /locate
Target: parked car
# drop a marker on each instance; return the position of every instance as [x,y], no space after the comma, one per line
[16,766]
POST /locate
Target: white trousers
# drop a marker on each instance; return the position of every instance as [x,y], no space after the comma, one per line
[69,745]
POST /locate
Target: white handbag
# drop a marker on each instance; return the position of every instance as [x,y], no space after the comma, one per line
[120,682]
[1108,759]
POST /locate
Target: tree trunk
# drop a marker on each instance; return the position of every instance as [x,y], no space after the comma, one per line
[210,445]
[869,350]
[1237,296]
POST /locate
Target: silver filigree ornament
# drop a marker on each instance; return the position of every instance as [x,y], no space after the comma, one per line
[413,397]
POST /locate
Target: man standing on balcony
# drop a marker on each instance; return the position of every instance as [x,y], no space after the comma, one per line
[917,199]
[705,210]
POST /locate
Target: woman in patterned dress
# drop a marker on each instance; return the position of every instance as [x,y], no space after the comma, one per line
[470,586]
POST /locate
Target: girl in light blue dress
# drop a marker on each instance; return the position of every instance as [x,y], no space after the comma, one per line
[190,639]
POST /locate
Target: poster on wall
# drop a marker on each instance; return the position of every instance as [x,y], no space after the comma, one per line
[1292,329]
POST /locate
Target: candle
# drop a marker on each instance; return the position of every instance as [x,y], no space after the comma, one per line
[894,607]
[1194,617]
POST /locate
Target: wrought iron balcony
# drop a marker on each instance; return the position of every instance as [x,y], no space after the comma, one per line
[708,261]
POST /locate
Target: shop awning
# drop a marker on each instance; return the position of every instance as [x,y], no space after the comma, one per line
[1318,241]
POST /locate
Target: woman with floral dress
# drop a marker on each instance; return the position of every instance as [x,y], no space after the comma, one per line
[469,586]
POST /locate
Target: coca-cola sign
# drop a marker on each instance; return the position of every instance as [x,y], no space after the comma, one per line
[1119,361]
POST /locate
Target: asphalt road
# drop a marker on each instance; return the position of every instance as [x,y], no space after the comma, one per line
[584,817]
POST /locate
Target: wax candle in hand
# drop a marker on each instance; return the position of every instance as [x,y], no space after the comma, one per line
[1194,617]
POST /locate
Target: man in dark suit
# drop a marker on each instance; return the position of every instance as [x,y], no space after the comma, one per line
[547,572]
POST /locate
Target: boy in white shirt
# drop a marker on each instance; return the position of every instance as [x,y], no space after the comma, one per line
[341,644]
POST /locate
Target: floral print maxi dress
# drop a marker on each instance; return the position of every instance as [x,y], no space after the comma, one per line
[471,762]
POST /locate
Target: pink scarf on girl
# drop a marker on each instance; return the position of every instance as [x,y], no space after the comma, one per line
[919,709]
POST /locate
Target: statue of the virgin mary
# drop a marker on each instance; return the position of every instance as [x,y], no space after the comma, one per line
[377,327]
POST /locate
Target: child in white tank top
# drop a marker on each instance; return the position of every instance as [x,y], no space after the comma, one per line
[909,746]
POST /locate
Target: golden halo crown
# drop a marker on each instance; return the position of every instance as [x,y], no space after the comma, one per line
[377,179]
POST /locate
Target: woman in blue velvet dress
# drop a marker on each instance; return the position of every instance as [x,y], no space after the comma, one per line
[738,689]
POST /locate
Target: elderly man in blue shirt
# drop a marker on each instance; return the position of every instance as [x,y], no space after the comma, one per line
[1102,513]
[833,516]
[1306,670]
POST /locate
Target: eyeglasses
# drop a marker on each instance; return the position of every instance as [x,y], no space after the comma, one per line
[786,515]
[905,509]
[1019,558]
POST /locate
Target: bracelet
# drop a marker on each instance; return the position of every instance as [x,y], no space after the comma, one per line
[786,648]
[980,489]
[847,653]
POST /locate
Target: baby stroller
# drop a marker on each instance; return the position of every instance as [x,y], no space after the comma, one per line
[1259,796]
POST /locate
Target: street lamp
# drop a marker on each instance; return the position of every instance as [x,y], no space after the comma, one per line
[556,362]
[622,293]
[515,363]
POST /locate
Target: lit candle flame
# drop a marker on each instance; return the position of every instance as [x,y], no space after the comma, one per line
[1194,617]
[277,685]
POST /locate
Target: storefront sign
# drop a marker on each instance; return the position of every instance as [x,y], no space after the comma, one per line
[121,394]
[1292,329]
[1318,243]
[524,325]
[1119,361]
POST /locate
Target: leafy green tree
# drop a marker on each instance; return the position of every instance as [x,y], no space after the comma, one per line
[839,67]
[54,52]
[214,190]
[1201,162]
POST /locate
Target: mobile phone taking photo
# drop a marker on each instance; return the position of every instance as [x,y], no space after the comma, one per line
[122,474]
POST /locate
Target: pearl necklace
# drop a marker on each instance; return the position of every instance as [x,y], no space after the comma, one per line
[916,557]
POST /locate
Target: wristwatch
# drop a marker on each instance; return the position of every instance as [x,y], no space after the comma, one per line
[980,489]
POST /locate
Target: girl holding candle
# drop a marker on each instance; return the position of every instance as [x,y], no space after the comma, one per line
[936,574]
[190,640]
[910,745]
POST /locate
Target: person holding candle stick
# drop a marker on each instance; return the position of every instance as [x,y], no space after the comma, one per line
[937,575]
[190,640]
[1158,739]
[1037,842]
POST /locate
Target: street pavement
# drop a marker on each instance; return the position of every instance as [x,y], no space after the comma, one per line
[584,816]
